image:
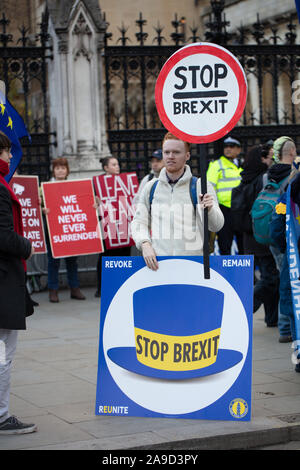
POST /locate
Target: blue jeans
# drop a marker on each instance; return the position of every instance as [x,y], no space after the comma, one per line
[53,268]
[284,324]
[286,302]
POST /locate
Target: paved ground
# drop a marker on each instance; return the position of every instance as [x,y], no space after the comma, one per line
[54,385]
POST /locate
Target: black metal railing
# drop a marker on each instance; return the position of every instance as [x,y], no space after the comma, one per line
[23,68]
[271,64]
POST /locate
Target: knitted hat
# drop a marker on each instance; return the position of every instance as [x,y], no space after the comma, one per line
[277,146]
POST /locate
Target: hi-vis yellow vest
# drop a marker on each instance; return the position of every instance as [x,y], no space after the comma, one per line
[224,176]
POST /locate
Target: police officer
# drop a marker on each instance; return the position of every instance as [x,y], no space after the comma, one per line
[157,164]
[224,174]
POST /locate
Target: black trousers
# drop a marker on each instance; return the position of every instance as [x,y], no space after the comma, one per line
[226,234]
[266,289]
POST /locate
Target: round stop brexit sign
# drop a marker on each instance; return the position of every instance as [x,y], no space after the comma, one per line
[201,92]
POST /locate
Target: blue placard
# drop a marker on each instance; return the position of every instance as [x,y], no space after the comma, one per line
[292,237]
[173,344]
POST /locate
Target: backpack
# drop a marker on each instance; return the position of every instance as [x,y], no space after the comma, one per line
[263,208]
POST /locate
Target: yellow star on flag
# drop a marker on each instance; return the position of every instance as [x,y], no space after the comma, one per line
[10,123]
[280,208]
[2,108]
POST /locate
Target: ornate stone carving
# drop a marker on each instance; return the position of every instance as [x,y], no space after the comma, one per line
[83,32]
[63,46]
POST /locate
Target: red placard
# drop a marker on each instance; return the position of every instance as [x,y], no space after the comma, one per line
[201,92]
[72,220]
[116,193]
[26,188]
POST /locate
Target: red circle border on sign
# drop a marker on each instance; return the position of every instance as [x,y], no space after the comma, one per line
[221,53]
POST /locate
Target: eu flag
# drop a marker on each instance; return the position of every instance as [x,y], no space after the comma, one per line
[12,124]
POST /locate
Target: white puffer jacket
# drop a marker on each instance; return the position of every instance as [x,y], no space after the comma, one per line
[171,224]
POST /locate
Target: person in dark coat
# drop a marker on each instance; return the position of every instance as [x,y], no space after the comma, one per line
[285,153]
[266,289]
[278,234]
[15,303]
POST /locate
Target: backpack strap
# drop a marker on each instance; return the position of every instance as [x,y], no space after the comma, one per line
[265,179]
[152,190]
[193,191]
[284,183]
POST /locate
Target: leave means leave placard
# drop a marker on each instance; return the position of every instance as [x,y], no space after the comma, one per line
[116,193]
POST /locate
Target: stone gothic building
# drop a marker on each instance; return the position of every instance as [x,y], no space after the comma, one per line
[86,103]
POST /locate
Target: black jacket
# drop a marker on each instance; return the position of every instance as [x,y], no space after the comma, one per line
[242,200]
[13,248]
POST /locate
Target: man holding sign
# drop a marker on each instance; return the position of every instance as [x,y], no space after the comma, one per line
[167,222]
